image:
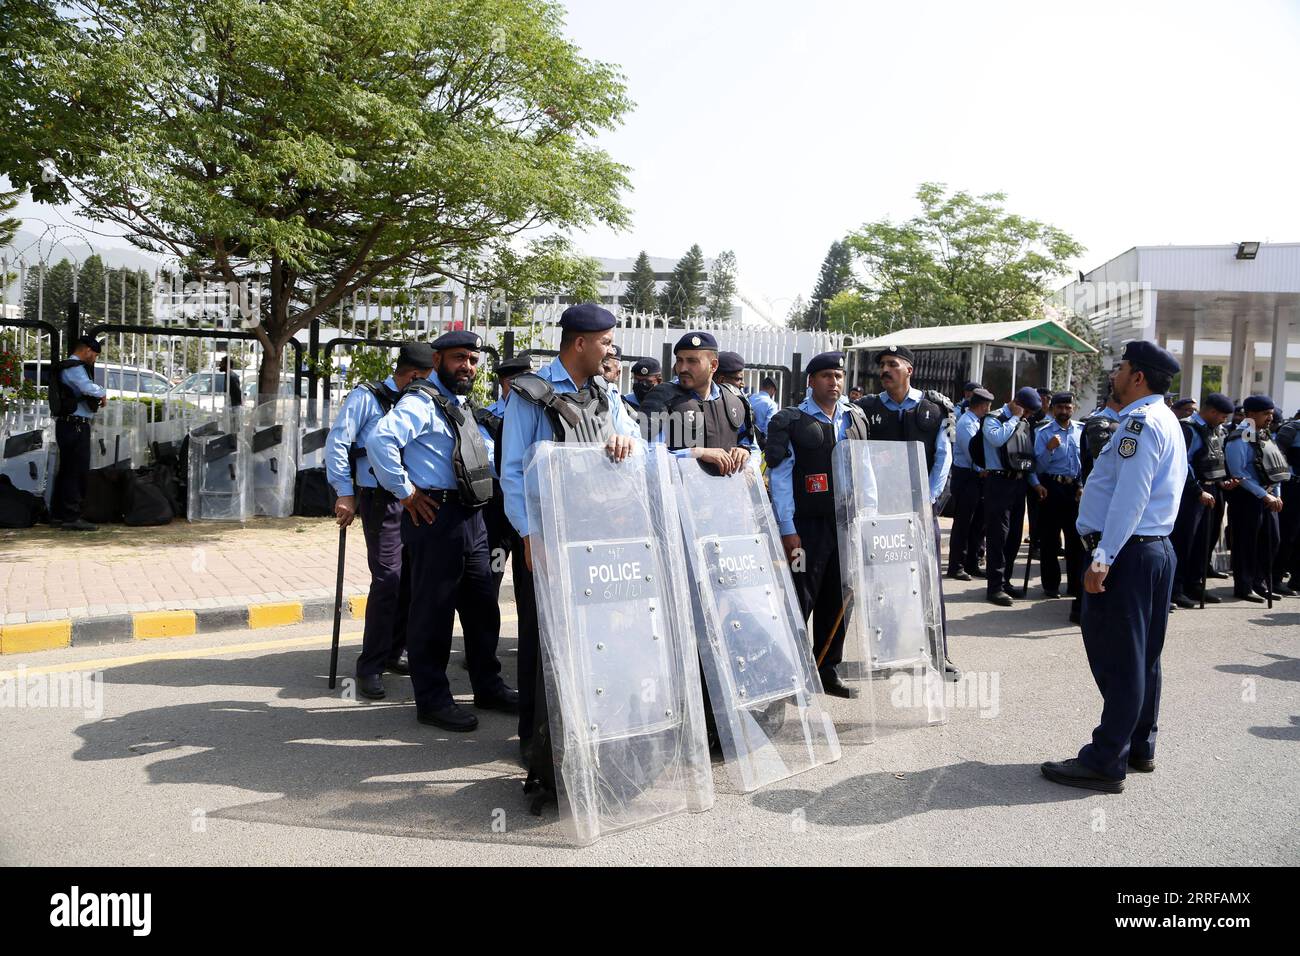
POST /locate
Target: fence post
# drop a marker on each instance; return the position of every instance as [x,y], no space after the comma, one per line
[667,367]
[74,326]
[796,376]
[508,344]
[313,352]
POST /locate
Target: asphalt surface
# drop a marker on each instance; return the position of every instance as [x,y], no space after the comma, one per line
[231,750]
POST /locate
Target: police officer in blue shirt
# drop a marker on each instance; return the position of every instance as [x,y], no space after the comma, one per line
[1253,506]
[967,536]
[765,406]
[566,400]
[1057,483]
[800,442]
[501,536]
[1127,511]
[646,374]
[430,454]
[77,398]
[1207,479]
[348,468]
[1006,451]
[731,370]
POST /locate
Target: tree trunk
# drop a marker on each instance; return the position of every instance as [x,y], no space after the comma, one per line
[268,375]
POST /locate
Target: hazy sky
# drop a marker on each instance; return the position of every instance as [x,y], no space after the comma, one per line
[772,127]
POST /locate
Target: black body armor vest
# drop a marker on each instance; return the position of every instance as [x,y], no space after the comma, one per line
[812,441]
[469,455]
[1209,463]
[1017,454]
[62,398]
[922,422]
[1096,433]
[581,416]
[691,423]
[493,425]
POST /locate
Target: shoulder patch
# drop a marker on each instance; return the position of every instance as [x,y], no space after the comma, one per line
[1134,426]
[1128,447]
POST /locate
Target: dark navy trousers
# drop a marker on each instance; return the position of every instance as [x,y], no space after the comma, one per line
[819,587]
[1123,634]
[451,573]
[968,521]
[390,584]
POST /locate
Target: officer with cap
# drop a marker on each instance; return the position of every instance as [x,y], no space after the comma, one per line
[800,441]
[1207,479]
[74,400]
[347,466]
[1006,451]
[1184,408]
[1253,506]
[698,417]
[430,454]
[566,400]
[1058,484]
[967,391]
[968,491]
[1127,511]
[501,536]
[764,404]
[731,370]
[646,374]
[903,413]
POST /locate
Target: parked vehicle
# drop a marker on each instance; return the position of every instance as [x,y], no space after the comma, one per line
[119,381]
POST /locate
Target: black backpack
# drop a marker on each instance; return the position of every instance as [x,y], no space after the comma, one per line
[148,497]
[313,497]
[18,508]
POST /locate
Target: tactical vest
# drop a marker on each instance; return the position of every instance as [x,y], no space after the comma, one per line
[63,399]
[1288,439]
[921,422]
[1209,463]
[386,398]
[493,424]
[1269,461]
[1017,454]
[692,423]
[1096,432]
[469,456]
[581,416]
[812,442]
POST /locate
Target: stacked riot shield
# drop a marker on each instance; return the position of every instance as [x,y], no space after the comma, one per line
[221,471]
[617,650]
[117,435]
[25,460]
[894,638]
[274,427]
[754,650]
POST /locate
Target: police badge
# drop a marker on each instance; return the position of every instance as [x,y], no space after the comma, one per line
[1128,447]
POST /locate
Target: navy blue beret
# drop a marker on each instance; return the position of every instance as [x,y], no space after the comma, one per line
[587,317]
[1027,398]
[1183,403]
[696,340]
[898,351]
[647,366]
[1258,403]
[514,365]
[457,340]
[820,363]
[729,363]
[415,355]
[1062,398]
[1220,403]
[970,386]
[1149,355]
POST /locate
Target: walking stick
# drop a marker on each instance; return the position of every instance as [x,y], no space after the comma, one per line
[338,609]
[1268,534]
[830,637]
[1029,549]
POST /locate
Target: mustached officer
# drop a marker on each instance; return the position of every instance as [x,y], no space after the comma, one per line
[800,441]
[430,454]
[1253,506]
[968,491]
[904,413]
[74,399]
[565,401]
[501,536]
[1207,470]
[1127,511]
[731,370]
[347,466]
[696,416]
[1006,450]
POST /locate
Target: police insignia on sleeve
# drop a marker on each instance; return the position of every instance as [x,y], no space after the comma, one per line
[1134,426]
[1127,447]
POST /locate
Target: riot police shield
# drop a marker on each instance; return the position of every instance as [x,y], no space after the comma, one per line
[117,435]
[274,426]
[888,562]
[220,479]
[763,689]
[617,650]
[25,459]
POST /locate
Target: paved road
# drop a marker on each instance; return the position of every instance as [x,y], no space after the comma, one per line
[229,749]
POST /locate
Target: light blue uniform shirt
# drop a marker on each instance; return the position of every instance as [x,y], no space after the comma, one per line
[412,446]
[1064,458]
[996,435]
[1138,479]
[942,445]
[356,422]
[526,424]
[1241,464]
[968,426]
[77,380]
[781,478]
[497,408]
[764,407]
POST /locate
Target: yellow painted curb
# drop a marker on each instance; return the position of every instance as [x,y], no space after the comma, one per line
[147,625]
[274,615]
[37,636]
[358,606]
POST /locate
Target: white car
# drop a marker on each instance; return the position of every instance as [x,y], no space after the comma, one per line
[119,381]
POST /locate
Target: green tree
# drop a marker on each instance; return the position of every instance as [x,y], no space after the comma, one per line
[312,147]
[797,314]
[963,259]
[641,295]
[836,276]
[8,225]
[722,287]
[683,294]
[52,305]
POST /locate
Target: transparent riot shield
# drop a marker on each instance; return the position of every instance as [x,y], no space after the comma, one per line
[894,638]
[117,435]
[26,460]
[274,427]
[617,649]
[763,689]
[220,465]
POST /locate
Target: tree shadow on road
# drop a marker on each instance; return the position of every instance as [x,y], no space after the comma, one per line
[1282,668]
[1291,733]
[1278,620]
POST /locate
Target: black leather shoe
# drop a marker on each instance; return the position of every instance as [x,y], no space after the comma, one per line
[1252,598]
[832,685]
[81,524]
[1001,599]
[979,573]
[1051,594]
[959,575]
[503,698]
[1266,595]
[1284,590]
[1182,600]
[1141,765]
[1013,591]
[1218,575]
[453,717]
[1071,773]
[372,686]
[1209,598]
[398,665]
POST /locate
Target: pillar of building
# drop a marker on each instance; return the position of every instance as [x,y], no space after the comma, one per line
[1278,353]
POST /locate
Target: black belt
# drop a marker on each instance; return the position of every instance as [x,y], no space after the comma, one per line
[441,495]
[1060,479]
[1093,538]
[1003,473]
